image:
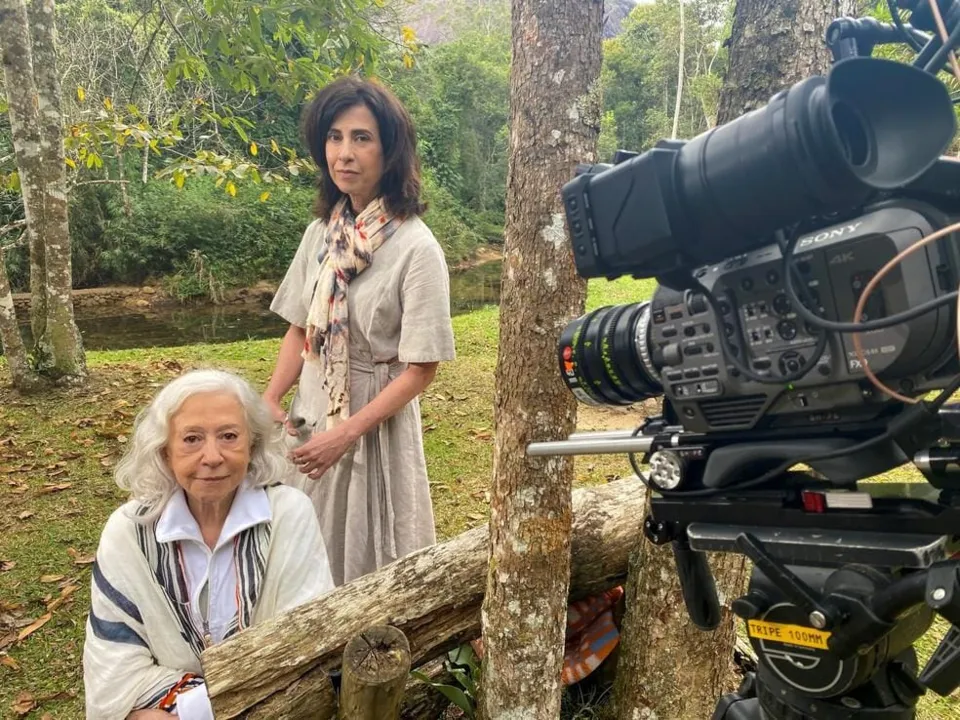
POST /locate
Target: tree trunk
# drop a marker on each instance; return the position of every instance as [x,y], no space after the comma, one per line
[60,347]
[669,668]
[680,74]
[16,56]
[13,350]
[775,44]
[375,667]
[556,110]
[433,596]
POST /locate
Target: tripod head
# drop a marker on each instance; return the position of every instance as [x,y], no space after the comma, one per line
[848,574]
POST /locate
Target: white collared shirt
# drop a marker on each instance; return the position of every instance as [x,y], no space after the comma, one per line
[211,575]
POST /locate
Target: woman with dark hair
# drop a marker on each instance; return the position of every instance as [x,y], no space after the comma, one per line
[368,301]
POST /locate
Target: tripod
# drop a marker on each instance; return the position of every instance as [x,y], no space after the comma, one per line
[834,640]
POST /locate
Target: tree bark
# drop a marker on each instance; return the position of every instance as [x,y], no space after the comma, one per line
[33,91]
[16,55]
[310,697]
[433,596]
[680,73]
[13,349]
[60,340]
[668,667]
[556,111]
[375,667]
[775,44]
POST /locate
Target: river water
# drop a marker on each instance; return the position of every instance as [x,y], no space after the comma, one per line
[189,325]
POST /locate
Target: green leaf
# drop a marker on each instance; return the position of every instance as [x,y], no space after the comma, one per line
[458,698]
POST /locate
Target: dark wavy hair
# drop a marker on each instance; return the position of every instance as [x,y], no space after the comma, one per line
[400,184]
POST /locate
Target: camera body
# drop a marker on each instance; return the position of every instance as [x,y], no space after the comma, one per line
[674,344]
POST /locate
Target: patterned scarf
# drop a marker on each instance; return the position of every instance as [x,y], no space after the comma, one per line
[351,243]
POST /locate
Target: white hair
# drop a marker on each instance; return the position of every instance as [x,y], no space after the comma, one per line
[144,472]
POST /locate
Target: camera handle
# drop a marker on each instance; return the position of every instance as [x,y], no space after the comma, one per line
[856,37]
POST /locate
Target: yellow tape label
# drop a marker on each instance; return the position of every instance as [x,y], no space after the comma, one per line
[789,634]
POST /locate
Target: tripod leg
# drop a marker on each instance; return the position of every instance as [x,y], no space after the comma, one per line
[740,705]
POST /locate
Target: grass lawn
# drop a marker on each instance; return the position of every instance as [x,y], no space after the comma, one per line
[57,454]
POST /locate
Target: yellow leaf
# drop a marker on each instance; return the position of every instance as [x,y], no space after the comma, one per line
[408,34]
[70,162]
[231,189]
[81,94]
[407,60]
[108,104]
[253,149]
[274,146]
[264,196]
[179,180]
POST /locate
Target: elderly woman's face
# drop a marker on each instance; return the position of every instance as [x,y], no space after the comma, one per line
[355,155]
[208,446]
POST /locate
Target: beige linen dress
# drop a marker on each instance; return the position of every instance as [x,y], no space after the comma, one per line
[374,504]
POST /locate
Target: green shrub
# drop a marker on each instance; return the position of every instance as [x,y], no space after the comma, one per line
[452,225]
[240,239]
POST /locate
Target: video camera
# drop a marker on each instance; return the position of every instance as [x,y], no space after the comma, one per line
[808,258]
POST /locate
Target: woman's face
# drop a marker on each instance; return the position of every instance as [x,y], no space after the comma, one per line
[355,155]
[208,446]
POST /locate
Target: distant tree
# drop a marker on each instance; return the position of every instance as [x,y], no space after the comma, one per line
[32,81]
[641,64]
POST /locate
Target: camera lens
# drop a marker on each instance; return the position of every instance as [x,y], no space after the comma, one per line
[605,356]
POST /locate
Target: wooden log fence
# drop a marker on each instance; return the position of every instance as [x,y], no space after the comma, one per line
[433,597]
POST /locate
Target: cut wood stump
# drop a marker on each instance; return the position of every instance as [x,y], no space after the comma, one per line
[376,664]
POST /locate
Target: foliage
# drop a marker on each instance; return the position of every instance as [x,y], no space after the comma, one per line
[640,71]
[459,97]
[464,666]
[170,231]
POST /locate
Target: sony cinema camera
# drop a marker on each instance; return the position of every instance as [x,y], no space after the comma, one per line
[803,338]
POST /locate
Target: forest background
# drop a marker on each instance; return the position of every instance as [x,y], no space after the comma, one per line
[185,162]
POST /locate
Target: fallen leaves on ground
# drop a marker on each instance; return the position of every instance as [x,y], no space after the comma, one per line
[65,594]
[52,488]
[80,558]
[34,626]
[9,662]
[7,565]
[24,703]
[25,514]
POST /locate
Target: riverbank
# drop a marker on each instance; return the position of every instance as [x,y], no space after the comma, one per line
[93,302]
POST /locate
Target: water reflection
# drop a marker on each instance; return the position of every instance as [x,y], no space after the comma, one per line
[170,327]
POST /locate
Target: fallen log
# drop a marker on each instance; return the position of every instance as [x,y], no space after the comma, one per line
[432,596]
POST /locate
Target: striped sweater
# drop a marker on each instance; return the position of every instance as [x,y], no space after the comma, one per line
[142,643]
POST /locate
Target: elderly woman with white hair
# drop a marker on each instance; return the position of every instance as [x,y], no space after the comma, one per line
[209,544]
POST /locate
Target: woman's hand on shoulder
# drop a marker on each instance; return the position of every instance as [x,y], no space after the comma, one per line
[321,452]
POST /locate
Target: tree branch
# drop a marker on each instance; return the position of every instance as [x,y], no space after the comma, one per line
[10,227]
